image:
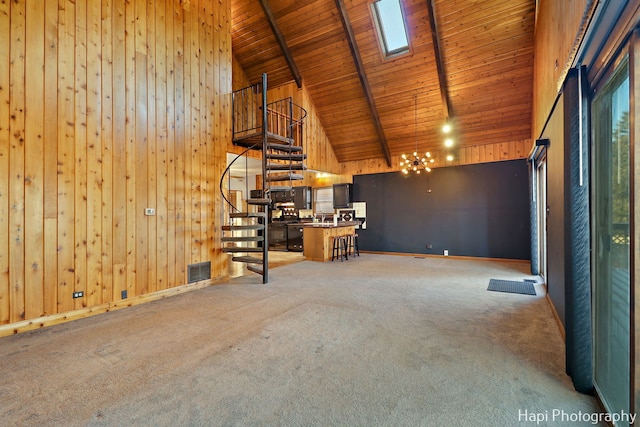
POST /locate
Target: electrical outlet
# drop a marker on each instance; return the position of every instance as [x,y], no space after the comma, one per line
[429,246]
[149,211]
[123,294]
[78,294]
[446,252]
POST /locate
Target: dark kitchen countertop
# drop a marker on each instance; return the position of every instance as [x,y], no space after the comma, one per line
[330,224]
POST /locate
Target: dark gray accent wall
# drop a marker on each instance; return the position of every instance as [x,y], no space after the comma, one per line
[473,210]
[555,213]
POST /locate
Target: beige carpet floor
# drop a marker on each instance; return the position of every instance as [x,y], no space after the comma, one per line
[379,340]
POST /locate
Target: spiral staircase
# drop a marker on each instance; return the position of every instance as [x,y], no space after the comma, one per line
[276,130]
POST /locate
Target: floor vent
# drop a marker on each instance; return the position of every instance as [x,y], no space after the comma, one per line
[199,271]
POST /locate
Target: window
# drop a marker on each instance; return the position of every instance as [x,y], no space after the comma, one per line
[323,199]
[390,23]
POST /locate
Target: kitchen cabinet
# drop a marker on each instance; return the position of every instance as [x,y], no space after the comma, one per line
[342,195]
[302,197]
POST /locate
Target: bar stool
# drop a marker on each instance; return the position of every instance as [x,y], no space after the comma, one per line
[339,248]
[352,245]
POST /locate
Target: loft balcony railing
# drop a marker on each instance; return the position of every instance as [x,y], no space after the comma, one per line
[284,118]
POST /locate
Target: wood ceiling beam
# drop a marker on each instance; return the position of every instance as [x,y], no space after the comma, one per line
[442,77]
[355,53]
[271,18]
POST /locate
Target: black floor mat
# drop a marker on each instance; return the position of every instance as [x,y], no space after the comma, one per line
[511,286]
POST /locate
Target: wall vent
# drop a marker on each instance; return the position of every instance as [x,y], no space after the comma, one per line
[199,271]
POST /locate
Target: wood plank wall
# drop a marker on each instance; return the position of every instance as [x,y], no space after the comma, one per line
[107,108]
[557,26]
[485,153]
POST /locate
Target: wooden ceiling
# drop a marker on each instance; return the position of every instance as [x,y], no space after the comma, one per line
[471,62]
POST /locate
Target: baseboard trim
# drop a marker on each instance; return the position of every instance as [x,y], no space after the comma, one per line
[523,261]
[555,316]
[68,316]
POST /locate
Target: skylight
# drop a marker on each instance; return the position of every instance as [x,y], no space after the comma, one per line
[391,26]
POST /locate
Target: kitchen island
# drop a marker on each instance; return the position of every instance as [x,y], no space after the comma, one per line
[318,238]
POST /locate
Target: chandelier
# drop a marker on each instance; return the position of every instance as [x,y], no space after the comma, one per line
[415,163]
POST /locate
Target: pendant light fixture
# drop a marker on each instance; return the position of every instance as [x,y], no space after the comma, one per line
[414,163]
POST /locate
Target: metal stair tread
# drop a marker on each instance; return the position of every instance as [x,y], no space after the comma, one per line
[247,259]
[284,147]
[280,187]
[248,215]
[243,227]
[285,177]
[272,136]
[243,239]
[285,167]
[255,269]
[241,249]
[258,201]
[289,156]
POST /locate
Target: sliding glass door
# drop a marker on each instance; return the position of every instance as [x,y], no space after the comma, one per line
[611,240]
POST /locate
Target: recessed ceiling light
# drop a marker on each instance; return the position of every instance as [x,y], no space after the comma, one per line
[446,128]
[449,157]
[448,142]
